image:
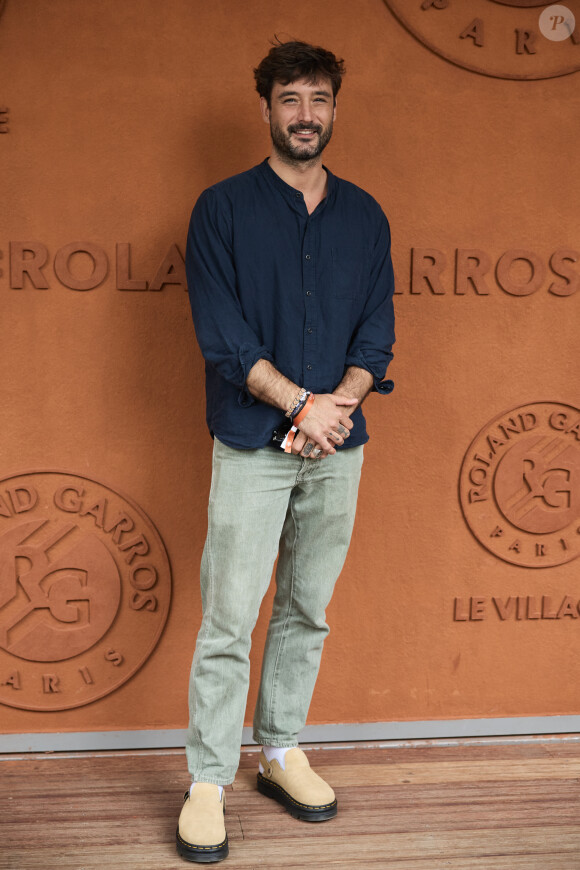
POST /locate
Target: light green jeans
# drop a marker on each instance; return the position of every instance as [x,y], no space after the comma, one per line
[265,503]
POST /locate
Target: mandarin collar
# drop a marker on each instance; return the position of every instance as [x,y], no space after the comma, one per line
[294,197]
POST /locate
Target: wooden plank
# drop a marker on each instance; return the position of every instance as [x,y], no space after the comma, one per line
[386,849]
[428,849]
[423,773]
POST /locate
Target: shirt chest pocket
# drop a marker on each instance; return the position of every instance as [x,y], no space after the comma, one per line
[349,271]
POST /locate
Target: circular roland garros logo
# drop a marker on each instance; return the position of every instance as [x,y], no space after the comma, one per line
[85,586]
[508,39]
[520,485]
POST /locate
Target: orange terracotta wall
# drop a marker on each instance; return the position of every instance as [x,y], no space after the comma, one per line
[460,597]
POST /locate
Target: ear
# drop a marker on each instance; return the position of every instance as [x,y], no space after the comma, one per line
[334,112]
[264,110]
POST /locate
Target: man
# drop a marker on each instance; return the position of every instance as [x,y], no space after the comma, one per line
[291,286]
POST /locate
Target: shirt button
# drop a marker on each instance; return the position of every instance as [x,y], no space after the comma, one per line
[307,257]
[309,368]
[309,330]
[298,196]
[308,293]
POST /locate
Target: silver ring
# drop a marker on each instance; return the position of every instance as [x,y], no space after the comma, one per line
[316,452]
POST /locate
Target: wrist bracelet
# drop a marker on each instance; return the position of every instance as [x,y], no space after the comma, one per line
[299,399]
[302,414]
[299,406]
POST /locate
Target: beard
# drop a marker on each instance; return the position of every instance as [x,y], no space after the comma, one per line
[290,152]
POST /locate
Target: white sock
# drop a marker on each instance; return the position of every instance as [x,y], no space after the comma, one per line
[275,752]
[221,788]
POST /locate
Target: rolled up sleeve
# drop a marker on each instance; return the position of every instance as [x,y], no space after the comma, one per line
[374,336]
[226,340]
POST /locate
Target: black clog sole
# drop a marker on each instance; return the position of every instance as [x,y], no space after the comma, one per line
[295,808]
[202,854]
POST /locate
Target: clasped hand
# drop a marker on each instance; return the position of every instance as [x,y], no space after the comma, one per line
[326,426]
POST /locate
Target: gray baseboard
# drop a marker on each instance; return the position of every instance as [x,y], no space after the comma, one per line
[87,741]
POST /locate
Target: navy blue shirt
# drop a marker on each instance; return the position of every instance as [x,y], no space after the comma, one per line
[311,293]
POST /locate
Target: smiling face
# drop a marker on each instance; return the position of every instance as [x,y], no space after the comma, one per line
[300,116]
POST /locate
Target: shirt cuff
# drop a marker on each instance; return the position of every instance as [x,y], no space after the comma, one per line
[248,357]
[384,387]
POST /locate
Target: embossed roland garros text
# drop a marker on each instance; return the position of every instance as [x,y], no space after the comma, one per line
[520,485]
[84,590]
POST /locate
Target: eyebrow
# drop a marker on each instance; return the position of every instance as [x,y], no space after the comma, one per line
[289,93]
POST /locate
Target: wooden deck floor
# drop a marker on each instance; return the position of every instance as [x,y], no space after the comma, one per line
[489,805]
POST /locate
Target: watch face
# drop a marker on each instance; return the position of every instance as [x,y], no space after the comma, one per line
[511,39]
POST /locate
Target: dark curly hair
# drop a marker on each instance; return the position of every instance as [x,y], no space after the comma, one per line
[288,61]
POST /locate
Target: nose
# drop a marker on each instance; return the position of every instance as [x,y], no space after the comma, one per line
[305,111]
